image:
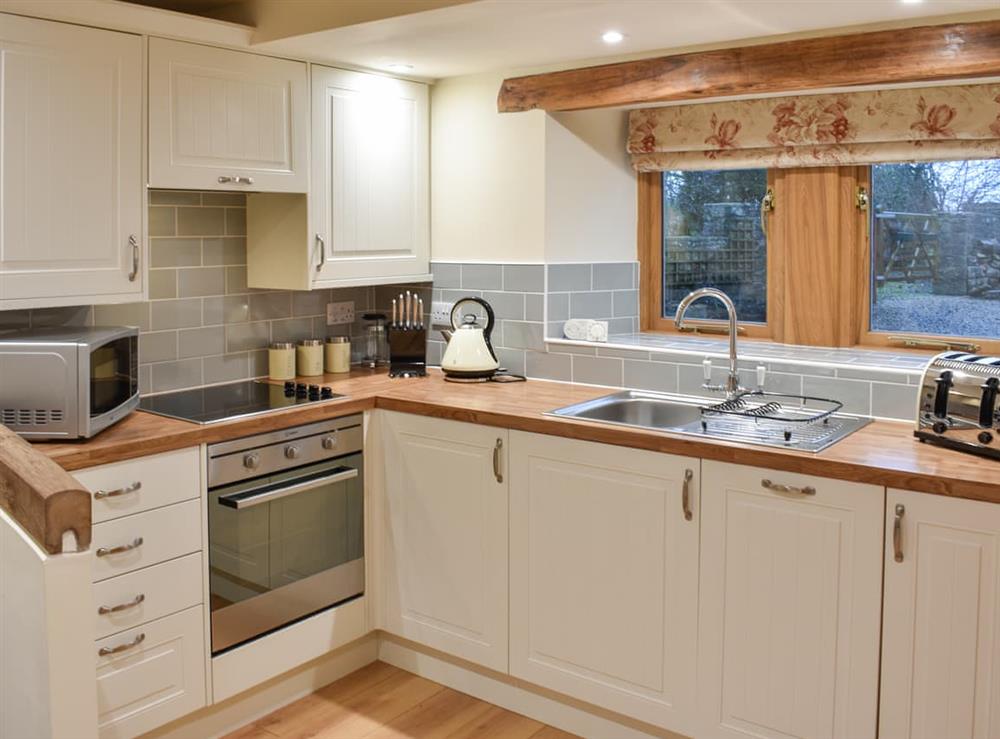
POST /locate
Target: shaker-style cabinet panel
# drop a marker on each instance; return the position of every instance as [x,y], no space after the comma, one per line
[941,622]
[604,575]
[226,120]
[443,551]
[790,605]
[71,205]
[369,203]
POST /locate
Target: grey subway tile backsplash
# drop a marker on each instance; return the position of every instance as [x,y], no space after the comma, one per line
[201,342]
[181,313]
[534,307]
[162,221]
[201,281]
[447,275]
[549,366]
[162,284]
[525,278]
[856,395]
[894,401]
[269,305]
[241,337]
[201,221]
[506,305]
[590,305]
[558,304]
[482,276]
[643,375]
[597,370]
[175,252]
[158,346]
[226,368]
[569,277]
[176,375]
[614,276]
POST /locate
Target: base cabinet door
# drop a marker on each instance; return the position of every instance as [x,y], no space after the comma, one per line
[790,605]
[941,627]
[71,202]
[444,536]
[604,575]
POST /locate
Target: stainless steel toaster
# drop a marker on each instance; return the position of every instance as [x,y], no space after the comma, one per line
[958,405]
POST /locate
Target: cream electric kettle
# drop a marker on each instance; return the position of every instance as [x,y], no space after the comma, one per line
[469,356]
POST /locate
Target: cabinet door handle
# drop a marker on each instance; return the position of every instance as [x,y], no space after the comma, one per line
[105,610]
[496,460]
[105,651]
[131,488]
[897,532]
[120,549]
[134,244]
[686,495]
[788,489]
[322,253]
[235,179]
[223,179]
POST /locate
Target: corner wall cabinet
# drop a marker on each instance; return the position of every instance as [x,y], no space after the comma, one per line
[444,539]
[366,219]
[791,590]
[226,120]
[941,625]
[604,575]
[71,100]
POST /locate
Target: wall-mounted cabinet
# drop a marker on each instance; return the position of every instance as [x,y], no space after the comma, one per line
[366,218]
[71,152]
[226,120]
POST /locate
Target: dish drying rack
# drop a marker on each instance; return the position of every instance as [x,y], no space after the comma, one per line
[759,416]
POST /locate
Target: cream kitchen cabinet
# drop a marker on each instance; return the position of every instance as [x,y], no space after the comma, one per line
[941,621]
[790,605]
[71,152]
[604,575]
[366,220]
[226,120]
[443,550]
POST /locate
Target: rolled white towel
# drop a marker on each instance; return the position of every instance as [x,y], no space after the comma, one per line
[586,329]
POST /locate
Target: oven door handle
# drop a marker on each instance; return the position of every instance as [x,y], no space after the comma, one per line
[241,500]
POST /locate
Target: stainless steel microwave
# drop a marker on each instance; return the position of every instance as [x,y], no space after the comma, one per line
[67,383]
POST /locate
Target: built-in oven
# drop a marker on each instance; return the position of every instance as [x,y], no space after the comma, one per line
[285,527]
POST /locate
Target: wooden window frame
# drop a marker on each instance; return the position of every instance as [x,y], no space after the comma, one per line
[818,268]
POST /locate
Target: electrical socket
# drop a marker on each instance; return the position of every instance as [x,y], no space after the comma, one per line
[441,313]
[339,313]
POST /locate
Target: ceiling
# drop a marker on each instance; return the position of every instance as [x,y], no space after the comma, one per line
[444,38]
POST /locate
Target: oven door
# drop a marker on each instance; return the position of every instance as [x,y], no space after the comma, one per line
[284,546]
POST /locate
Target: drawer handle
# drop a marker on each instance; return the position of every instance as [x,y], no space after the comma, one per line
[897,533]
[101,494]
[686,495]
[105,610]
[105,651]
[236,180]
[788,489]
[121,548]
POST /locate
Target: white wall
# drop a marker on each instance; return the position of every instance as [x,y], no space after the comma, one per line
[487,175]
[526,187]
[590,188]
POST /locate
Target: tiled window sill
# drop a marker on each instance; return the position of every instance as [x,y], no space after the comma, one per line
[693,349]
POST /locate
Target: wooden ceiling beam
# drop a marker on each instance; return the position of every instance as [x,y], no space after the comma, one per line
[922,54]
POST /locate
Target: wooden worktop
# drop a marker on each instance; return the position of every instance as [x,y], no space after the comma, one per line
[883,453]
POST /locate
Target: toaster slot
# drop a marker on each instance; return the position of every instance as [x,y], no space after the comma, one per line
[988,402]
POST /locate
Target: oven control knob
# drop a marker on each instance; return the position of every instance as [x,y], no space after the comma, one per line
[251,461]
[329,442]
[293,452]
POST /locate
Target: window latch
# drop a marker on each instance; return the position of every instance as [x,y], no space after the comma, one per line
[916,342]
[766,206]
[861,198]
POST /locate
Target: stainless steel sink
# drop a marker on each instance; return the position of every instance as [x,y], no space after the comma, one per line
[681,415]
[635,408]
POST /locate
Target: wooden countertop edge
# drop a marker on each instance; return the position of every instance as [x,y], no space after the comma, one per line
[719,451]
[896,465]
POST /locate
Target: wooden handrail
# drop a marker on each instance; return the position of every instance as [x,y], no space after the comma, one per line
[922,54]
[44,499]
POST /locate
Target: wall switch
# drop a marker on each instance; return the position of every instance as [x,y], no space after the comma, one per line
[441,313]
[338,313]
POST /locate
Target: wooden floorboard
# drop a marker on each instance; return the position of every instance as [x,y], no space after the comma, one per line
[383,702]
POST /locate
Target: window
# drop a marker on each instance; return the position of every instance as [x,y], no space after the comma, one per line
[898,255]
[712,237]
[935,236]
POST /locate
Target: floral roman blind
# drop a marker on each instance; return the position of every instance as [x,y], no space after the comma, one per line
[919,124]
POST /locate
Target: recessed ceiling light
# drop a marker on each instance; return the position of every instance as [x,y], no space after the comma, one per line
[612,37]
[401,67]
[911,2]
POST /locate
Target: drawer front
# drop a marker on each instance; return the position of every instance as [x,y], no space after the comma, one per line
[147,594]
[138,485]
[146,539]
[159,679]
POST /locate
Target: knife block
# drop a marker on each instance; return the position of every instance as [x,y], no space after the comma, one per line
[407,351]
